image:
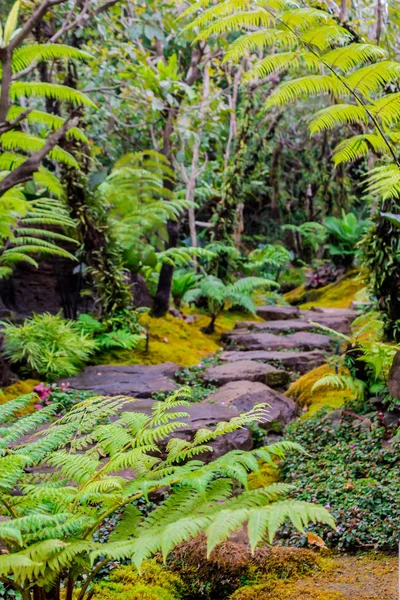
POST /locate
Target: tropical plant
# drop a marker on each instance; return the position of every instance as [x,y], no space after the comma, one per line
[47,529]
[345,233]
[268,261]
[182,282]
[122,330]
[26,230]
[17,58]
[217,295]
[312,234]
[47,346]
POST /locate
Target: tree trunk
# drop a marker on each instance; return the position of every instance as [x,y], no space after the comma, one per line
[163,294]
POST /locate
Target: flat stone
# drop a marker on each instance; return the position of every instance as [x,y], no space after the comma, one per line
[269,341]
[334,320]
[334,312]
[139,381]
[248,370]
[277,313]
[300,362]
[259,341]
[244,395]
[310,341]
[282,326]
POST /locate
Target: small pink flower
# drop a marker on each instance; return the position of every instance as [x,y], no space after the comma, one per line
[38,406]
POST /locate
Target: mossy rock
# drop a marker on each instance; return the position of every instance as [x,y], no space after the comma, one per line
[340,294]
[17,389]
[302,391]
[154,582]
[283,591]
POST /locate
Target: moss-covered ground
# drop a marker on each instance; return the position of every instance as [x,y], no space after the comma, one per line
[335,295]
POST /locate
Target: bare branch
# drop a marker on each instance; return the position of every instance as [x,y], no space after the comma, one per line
[7,125]
[31,22]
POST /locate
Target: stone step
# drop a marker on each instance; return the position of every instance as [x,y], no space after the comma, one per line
[244,395]
[299,362]
[282,326]
[249,370]
[137,381]
[277,313]
[247,340]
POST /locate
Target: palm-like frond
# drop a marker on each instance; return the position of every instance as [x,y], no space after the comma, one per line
[29,53]
[56,91]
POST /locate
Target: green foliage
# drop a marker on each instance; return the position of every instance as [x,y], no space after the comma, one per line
[50,525]
[313,234]
[345,234]
[122,330]
[47,345]
[350,468]
[268,261]
[217,294]
[182,282]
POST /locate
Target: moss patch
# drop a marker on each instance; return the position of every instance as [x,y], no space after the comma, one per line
[172,339]
[301,391]
[20,388]
[335,295]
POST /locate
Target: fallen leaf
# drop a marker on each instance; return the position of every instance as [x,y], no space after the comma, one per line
[314,539]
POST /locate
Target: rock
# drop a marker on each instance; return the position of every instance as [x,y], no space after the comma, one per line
[310,341]
[277,313]
[334,418]
[243,395]
[140,381]
[334,312]
[289,325]
[300,362]
[394,377]
[338,322]
[270,341]
[248,370]
[259,341]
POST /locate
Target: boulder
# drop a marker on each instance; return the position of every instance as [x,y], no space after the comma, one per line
[244,395]
[300,362]
[139,381]
[248,370]
[278,313]
[394,377]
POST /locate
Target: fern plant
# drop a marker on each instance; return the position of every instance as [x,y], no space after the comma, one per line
[268,261]
[345,234]
[218,295]
[182,282]
[84,460]
[48,346]
[122,330]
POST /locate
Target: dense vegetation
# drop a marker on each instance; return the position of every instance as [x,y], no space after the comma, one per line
[165,170]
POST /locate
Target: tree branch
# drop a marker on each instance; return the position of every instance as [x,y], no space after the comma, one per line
[25,171]
[7,125]
[31,22]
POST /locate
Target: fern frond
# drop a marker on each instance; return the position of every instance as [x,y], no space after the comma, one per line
[257,40]
[29,53]
[39,89]
[306,87]
[338,114]
[353,55]
[359,146]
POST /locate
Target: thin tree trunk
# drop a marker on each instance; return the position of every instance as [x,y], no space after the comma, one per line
[194,172]
[232,117]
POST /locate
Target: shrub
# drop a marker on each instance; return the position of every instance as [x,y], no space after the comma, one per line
[351,469]
[119,331]
[47,345]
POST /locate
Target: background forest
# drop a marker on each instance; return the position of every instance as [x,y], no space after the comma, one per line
[178,179]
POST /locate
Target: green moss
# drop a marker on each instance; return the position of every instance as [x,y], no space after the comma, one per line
[20,388]
[335,295]
[172,339]
[154,582]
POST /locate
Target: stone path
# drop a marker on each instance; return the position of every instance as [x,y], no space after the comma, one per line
[259,361]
